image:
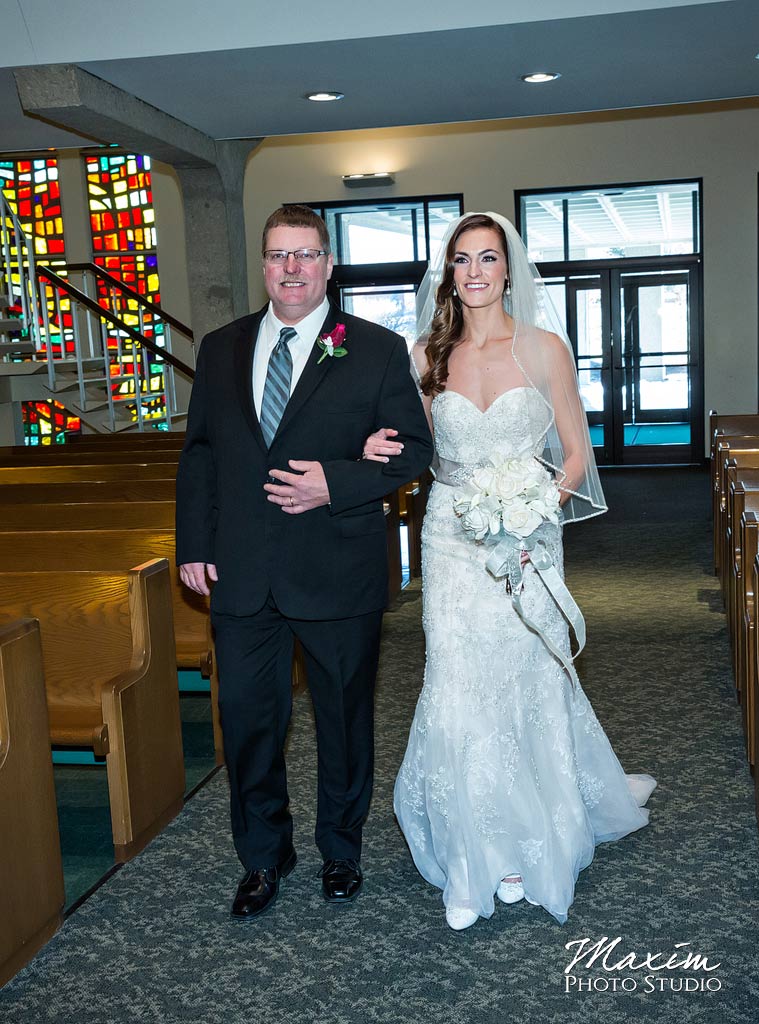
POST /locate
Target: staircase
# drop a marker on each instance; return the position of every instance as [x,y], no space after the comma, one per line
[77,335]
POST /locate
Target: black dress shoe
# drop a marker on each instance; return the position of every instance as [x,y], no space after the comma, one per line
[258,888]
[341,880]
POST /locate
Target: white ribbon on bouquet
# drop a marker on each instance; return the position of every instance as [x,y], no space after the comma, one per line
[501,563]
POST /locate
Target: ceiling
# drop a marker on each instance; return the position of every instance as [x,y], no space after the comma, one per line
[240,70]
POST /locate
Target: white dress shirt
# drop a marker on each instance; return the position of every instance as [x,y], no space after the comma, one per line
[308,330]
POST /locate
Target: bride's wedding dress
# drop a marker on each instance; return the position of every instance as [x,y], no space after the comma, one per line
[507,770]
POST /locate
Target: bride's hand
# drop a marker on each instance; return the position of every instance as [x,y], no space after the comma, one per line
[378,446]
[524,558]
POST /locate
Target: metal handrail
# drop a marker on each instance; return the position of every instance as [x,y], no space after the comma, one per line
[113,320]
[29,299]
[145,303]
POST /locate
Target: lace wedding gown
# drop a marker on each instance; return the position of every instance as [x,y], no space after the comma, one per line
[507,769]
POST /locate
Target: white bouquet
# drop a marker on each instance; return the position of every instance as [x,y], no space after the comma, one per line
[507,505]
[507,496]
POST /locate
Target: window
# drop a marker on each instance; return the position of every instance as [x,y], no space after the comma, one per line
[623,266]
[381,251]
[48,423]
[402,231]
[612,222]
[122,224]
[30,187]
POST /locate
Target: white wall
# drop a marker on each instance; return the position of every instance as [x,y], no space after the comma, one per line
[488,161]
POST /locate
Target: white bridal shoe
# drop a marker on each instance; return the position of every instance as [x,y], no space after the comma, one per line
[460,918]
[510,890]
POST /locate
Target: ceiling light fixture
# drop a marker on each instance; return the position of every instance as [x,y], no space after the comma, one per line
[368,180]
[324,97]
[538,77]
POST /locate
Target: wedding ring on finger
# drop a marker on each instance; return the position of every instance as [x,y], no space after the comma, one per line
[291,501]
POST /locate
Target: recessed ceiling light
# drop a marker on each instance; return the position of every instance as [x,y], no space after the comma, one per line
[537,77]
[323,97]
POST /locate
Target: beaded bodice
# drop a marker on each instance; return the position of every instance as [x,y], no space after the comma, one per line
[514,424]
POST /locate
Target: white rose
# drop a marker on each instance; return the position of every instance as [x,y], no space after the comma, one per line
[461,503]
[519,519]
[491,507]
[507,484]
[477,522]
[536,471]
[545,511]
[552,503]
[484,479]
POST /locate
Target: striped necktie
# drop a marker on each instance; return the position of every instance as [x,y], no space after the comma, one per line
[277,387]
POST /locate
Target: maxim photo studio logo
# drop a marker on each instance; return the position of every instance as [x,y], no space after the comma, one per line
[603,965]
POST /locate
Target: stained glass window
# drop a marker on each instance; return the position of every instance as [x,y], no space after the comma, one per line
[48,423]
[122,222]
[32,191]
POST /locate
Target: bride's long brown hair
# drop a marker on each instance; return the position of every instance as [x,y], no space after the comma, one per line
[448,319]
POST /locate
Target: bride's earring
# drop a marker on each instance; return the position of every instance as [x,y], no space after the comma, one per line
[455,293]
[508,287]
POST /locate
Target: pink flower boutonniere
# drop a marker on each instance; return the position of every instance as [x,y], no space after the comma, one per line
[332,344]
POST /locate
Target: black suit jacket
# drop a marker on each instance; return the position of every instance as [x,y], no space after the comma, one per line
[330,562]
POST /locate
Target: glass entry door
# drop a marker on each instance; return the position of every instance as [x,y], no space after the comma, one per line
[636,340]
[654,363]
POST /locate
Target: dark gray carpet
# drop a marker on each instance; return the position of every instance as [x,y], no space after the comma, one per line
[84,817]
[155,943]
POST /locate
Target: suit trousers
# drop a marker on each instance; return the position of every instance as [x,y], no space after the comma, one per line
[254,655]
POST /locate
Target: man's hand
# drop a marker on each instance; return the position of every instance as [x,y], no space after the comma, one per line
[300,491]
[195,575]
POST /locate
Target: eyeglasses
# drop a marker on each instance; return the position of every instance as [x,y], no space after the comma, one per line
[277,256]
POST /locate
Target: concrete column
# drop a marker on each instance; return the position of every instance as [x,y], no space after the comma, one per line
[210,173]
[215,237]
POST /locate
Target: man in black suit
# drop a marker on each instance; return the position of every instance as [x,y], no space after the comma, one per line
[276,507]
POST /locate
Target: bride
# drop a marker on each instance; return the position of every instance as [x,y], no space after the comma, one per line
[508,781]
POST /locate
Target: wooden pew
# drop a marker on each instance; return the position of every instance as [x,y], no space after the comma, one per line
[62,456]
[755,691]
[741,482]
[745,498]
[746,424]
[413,507]
[170,438]
[115,549]
[749,531]
[31,874]
[86,516]
[733,460]
[745,453]
[84,492]
[742,425]
[89,472]
[111,681]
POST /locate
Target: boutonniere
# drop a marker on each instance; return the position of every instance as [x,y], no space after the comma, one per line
[332,344]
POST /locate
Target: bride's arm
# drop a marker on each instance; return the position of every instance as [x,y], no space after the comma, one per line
[379,446]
